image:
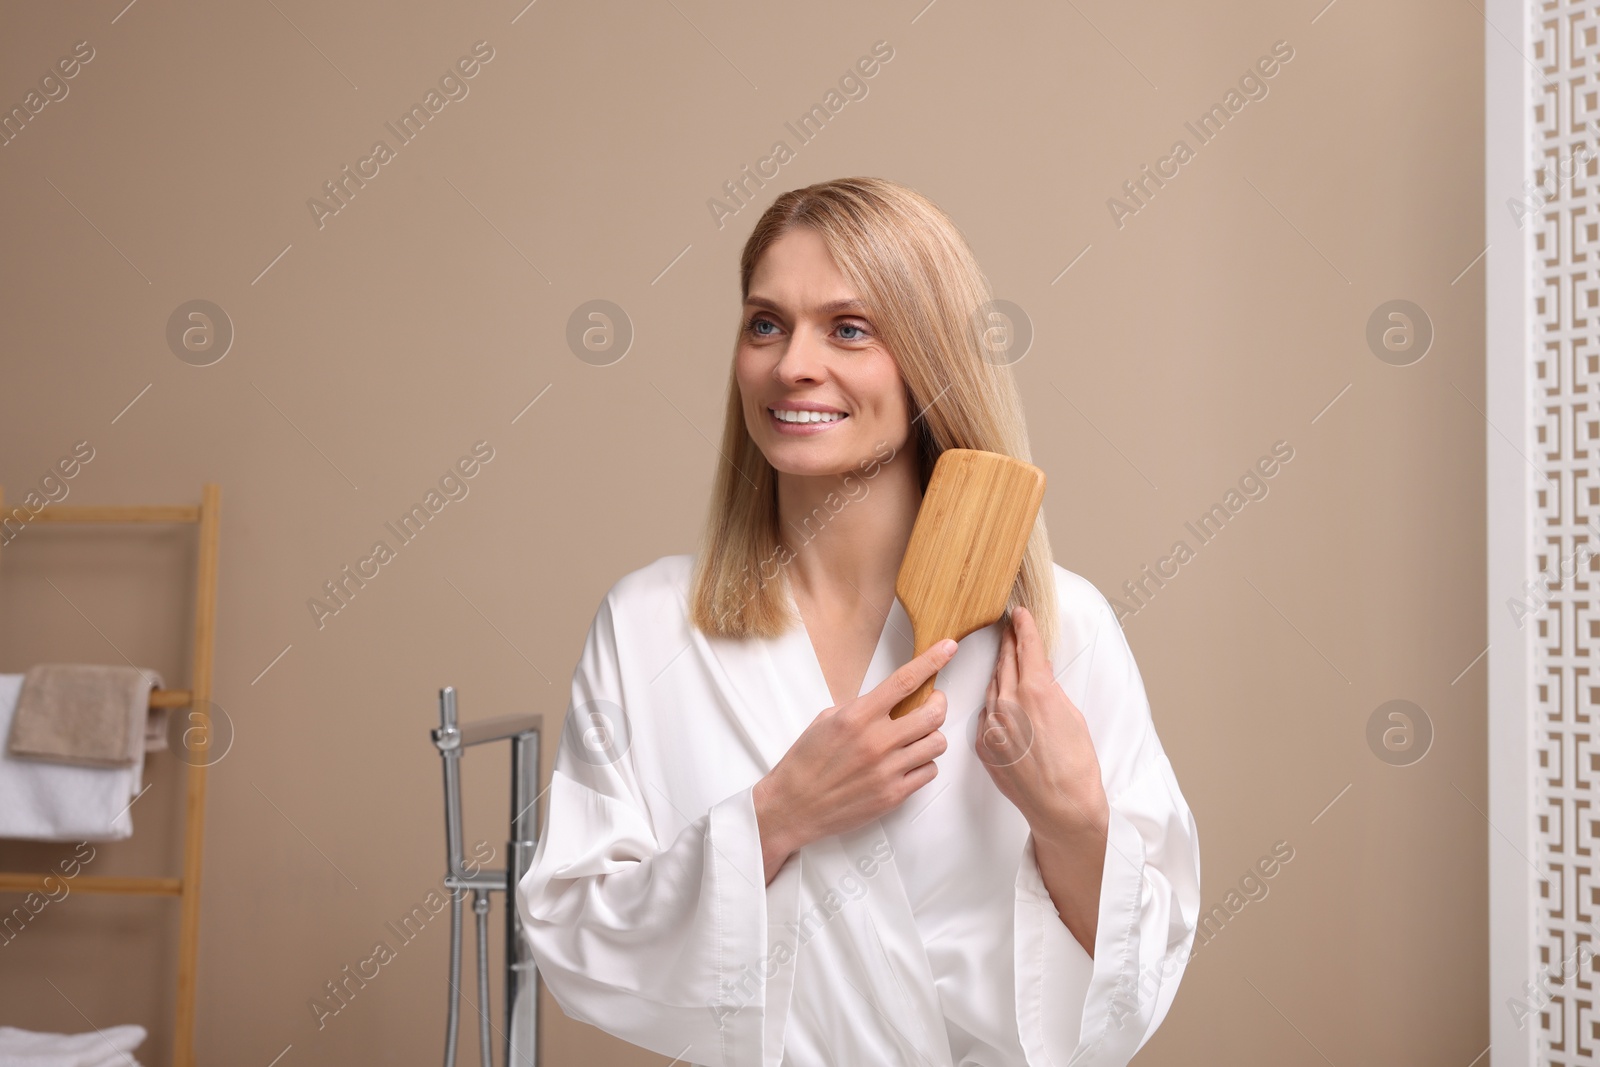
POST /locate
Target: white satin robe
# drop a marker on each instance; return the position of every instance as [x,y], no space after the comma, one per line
[924,937]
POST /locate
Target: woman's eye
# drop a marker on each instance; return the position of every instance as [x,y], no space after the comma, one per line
[755,324]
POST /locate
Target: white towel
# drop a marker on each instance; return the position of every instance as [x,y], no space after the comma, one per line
[110,1047]
[45,801]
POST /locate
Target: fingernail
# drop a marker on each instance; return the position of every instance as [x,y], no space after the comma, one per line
[947,646]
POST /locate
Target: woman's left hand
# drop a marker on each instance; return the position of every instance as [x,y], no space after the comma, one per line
[1035,741]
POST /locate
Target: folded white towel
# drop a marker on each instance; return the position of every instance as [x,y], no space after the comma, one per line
[110,1047]
[45,801]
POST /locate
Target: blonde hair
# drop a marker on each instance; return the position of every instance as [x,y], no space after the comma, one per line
[924,292]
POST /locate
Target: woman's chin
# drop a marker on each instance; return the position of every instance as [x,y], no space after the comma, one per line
[810,461]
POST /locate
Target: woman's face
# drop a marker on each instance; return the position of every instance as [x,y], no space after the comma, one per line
[809,347]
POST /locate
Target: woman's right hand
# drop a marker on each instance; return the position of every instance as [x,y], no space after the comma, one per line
[853,763]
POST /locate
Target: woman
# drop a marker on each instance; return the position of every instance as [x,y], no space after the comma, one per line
[745,860]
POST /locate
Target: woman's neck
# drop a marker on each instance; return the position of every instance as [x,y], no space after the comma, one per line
[848,532]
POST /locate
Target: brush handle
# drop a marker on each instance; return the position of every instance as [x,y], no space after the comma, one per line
[915,700]
[920,643]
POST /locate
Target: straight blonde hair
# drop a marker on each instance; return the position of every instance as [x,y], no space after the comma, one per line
[926,298]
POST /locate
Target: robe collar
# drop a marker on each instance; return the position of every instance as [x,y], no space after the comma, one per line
[778,683]
[776,688]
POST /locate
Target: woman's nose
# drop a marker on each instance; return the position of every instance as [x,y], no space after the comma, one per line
[804,358]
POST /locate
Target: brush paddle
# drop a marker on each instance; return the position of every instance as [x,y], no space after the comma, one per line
[965,549]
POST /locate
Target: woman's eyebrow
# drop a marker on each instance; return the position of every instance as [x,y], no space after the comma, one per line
[832,307]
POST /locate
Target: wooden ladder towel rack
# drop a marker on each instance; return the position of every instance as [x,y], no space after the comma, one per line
[197,699]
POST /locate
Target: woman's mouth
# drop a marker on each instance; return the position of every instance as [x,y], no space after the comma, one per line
[804,423]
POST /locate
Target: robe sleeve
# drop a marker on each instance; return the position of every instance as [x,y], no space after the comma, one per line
[1098,1012]
[662,942]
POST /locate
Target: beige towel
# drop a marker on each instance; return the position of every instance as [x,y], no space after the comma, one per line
[88,714]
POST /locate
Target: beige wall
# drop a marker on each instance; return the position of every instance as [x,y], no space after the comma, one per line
[1222,317]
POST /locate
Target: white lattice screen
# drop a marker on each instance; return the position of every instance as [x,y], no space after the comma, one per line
[1564,159]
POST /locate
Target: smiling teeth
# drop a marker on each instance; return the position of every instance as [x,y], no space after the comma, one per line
[807,416]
